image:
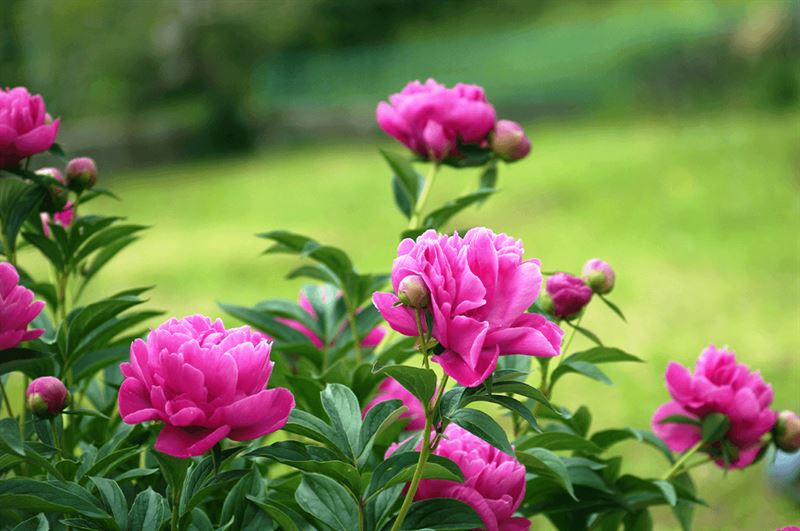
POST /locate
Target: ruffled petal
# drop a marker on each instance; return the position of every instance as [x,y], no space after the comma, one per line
[259,414]
[188,442]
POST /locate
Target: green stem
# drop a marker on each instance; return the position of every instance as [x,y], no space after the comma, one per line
[685,457]
[176,500]
[569,339]
[56,440]
[413,222]
[5,399]
[351,317]
[423,341]
[545,363]
[423,459]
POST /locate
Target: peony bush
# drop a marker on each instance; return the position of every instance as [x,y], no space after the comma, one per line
[419,397]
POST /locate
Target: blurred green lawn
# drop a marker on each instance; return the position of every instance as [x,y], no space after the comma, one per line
[699,216]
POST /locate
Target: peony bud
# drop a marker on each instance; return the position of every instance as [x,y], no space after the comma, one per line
[570,295]
[787,431]
[47,396]
[55,173]
[413,292]
[509,142]
[81,173]
[599,276]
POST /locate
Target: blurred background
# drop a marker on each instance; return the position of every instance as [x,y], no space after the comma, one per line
[666,140]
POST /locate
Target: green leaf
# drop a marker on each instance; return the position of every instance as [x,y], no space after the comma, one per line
[18,200]
[10,439]
[482,425]
[49,496]
[235,508]
[399,468]
[114,500]
[418,381]
[558,440]
[311,458]
[442,215]
[31,362]
[680,419]
[307,425]
[286,518]
[614,307]
[406,182]
[342,408]
[585,368]
[328,501]
[37,523]
[148,512]
[546,464]
[488,177]
[714,427]
[378,418]
[172,468]
[603,355]
[509,403]
[638,521]
[441,514]
[588,334]
[523,389]
[668,490]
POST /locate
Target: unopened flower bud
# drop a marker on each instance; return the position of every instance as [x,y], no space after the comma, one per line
[787,431]
[81,173]
[599,276]
[47,396]
[413,292]
[55,173]
[569,295]
[545,302]
[509,142]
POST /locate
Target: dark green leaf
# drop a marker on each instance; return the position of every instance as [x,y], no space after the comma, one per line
[515,406]
[113,499]
[37,523]
[342,408]
[400,466]
[377,419]
[546,464]
[482,425]
[680,419]
[557,440]
[10,438]
[328,501]
[442,215]
[714,427]
[668,490]
[53,495]
[441,514]
[418,381]
[614,307]
[148,512]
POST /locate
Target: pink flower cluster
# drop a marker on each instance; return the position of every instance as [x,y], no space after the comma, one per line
[204,383]
[17,309]
[480,288]
[494,482]
[718,385]
[25,127]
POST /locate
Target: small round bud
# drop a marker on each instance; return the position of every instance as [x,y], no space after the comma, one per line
[599,276]
[47,396]
[413,292]
[55,173]
[787,431]
[81,174]
[509,142]
[569,295]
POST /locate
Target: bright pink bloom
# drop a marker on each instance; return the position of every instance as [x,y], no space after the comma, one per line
[204,383]
[494,482]
[371,340]
[430,119]
[390,389]
[789,528]
[509,142]
[47,396]
[719,385]
[570,295]
[17,309]
[25,127]
[480,288]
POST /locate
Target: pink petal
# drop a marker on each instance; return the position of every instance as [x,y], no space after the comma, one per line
[134,402]
[400,318]
[37,140]
[259,414]
[679,437]
[188,442]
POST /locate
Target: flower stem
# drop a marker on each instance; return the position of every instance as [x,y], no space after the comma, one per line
[423,458]
[413,222]
[351,317]
[423,341]
[685,457]
[569,339]
[5,399]
[176,500]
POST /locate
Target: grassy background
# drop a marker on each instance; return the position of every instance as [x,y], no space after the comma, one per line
[699,216]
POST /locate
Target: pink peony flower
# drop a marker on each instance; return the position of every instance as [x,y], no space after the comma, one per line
[47,396]
[480,288]
[569,295]
[494,482]
[390,389]
[509,142]
[204,383]
[719,385]
[430,119]
[371,340]
[17,309]
[25,127]
[598,275]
